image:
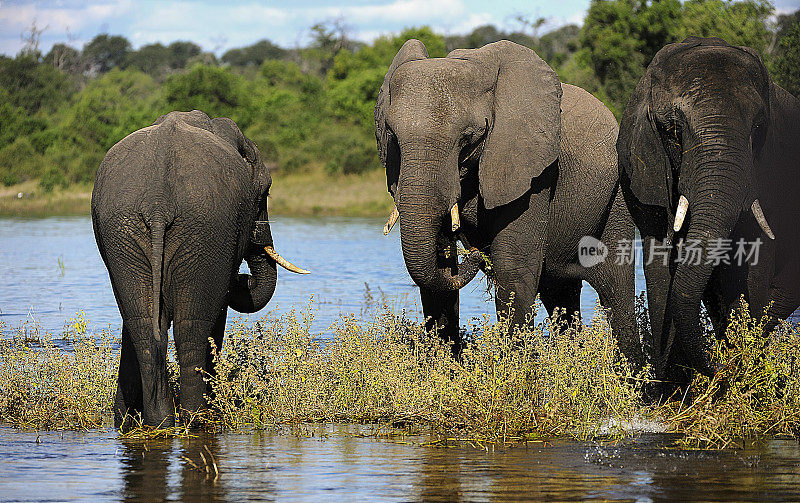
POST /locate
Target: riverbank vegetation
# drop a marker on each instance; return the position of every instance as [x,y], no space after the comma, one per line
[384,369]
[309,109]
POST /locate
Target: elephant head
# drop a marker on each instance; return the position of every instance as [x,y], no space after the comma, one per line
[689,144]
[482,122]
[248,293]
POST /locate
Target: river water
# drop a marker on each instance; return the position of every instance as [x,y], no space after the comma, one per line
[335,464]
[50,270]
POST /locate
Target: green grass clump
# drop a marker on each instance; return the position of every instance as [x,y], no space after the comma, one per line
[534,383]
[755,395]
[381,368]
[44,386]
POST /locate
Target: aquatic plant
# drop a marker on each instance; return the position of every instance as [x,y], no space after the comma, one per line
[755,394]
[533,383]
[383,368]
[45,385]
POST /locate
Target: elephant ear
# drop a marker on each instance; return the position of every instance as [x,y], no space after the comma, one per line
[226,129]
[643,163]
[412,50]
[525,132]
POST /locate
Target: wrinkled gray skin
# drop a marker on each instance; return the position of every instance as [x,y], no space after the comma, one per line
[174,208]
[484,128]
[708,123]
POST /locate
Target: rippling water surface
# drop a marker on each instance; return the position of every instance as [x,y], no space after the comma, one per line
[335,464]
[50,269]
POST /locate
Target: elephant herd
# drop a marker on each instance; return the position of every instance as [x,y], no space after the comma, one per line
[486,147]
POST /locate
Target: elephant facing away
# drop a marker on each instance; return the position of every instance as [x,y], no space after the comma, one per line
[176,206]
[486,146]
[709,158]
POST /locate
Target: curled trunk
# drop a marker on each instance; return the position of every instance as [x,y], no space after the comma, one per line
[423,209]
[251,292]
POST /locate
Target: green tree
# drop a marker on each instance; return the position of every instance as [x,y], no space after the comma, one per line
[111,107]
[254,55]
[181,52]
[65,58]
[620,38]
[152,59]
[558,45]
[105,52]
[738,23]
[216,91]
[786,65]
[31,85]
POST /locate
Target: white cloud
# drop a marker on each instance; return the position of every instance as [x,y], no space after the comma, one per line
[61,22]
[406,11]
[59,18]
[576,18]
[220,26]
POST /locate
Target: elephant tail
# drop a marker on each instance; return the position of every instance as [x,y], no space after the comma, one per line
[157,230]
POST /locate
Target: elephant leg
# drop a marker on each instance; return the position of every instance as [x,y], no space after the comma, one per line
[157,409]
[142,384]
[614,279]
[615,286]
[128,399]
[716,303]
[195,358]
[784,295]
[774,289]
[564,294]
[517,254]
[665,357]
[440,309]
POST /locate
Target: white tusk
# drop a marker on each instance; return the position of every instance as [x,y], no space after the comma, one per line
[761,219]
[283,262]
[390,223]
[456,222]
[683,206]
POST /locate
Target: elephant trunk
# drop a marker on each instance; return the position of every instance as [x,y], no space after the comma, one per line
[251,292]
[717,191]
[424,212]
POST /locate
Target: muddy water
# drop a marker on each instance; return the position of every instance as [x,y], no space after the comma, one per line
[337,465]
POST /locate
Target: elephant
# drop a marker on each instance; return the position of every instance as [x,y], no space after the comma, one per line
[175,207]
[487,147]
[709,158]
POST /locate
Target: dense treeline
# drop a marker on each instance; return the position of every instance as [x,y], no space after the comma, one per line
[311,108]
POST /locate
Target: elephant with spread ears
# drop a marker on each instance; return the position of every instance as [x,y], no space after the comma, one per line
[487,147]
[709,159]
[176,206]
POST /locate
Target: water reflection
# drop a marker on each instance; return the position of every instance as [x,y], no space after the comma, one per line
[336,463]
[170,470]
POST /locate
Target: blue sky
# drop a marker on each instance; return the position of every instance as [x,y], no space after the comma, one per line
[218,26]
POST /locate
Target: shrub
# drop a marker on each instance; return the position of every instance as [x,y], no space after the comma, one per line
[756,392]
[51,178]
[19,162]
[352,155]
[216,91]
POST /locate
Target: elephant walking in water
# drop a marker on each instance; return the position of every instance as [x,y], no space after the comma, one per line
[175,208]
[709,156]
[481,147]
